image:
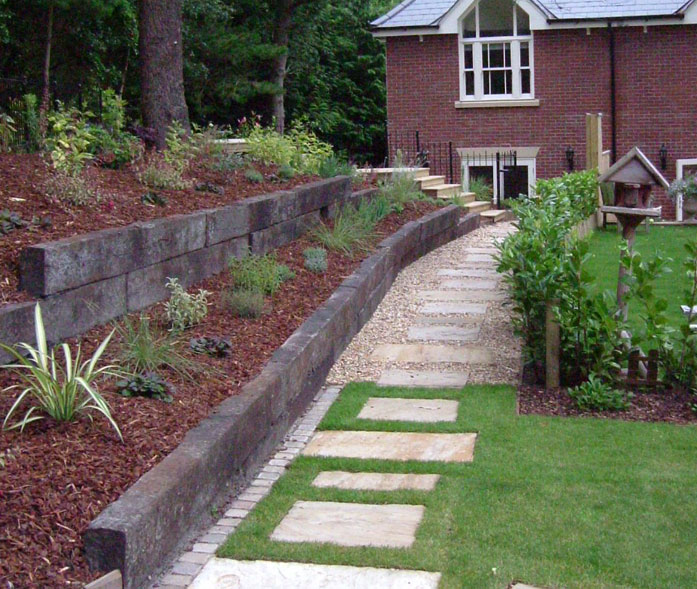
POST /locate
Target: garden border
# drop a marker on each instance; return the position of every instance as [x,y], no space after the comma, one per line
[140,532]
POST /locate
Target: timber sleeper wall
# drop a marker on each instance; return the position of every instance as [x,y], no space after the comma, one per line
[91,279]
[142,530]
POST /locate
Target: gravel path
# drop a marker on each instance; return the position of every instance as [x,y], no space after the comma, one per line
[461,267]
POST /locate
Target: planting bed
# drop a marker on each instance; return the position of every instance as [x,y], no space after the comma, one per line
[57,479]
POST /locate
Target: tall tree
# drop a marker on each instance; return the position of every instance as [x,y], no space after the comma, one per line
[162,66]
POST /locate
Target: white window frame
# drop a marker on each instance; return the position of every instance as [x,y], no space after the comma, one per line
[477,44]
[500,179]
[680,172]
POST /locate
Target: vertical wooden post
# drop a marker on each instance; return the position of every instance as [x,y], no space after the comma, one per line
[553,345]
[594,150]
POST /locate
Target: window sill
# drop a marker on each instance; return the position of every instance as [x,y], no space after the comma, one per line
[520,102]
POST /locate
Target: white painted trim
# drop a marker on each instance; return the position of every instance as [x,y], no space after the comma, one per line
[450,23]
[498,103]
[680,169]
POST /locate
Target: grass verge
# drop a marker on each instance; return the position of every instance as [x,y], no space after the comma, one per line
[574,503]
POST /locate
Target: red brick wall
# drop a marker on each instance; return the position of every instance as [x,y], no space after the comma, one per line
[656,95]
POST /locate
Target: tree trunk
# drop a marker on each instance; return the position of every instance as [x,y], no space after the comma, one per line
[46,90]
[162,67]
[281,37]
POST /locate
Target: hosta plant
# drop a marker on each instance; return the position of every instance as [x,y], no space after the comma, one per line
[61,388]
[185,310]
[148,385]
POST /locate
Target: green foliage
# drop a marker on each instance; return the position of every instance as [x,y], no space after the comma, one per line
[62,390]
[258,274]
[286,173]
[71,190]
[30,113]
[482,189]
[334,166]
[148,385]
[158,174]
[211,346]
[595,395]
[316,260]
[185,310]
[254,176]
[69,140]
[113,112]
[144,350]
[6,456]
[154,199]
[10,221]
[227,162]
[400,188]
[248,304]
[8,129]
[685,188]
[351,231]
[180,149]
[115,150]
[300,148]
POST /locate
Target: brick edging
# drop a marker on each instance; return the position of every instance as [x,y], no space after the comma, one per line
[139,532]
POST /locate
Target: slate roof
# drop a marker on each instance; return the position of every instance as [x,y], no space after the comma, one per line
[428,13]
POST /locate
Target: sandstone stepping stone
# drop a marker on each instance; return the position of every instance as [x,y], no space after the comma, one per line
[479,259]
[235,574]
[375,481]
[470,322]
[425,379]
[521,586]
[443,333]
[461,295]
[350,524]
[429,354]
[468,273]
[463,308]
[400,446]
[471,284]
[482,250]
[417,410]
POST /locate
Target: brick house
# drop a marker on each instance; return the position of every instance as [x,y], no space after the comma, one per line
[495,75]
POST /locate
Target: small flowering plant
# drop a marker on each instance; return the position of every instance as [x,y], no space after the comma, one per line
[685,188]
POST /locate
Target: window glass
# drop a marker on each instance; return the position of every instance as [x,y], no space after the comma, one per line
[496,18]
[525,54]
[526,86]
[469,57]
[469,83]
[523,21]
[469,27]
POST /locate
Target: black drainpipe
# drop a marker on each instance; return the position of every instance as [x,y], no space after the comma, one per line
[613,90]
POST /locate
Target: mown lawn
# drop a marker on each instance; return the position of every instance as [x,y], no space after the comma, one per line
[668,241]
[573,503]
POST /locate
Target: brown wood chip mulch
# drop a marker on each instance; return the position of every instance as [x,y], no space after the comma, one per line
[58,478]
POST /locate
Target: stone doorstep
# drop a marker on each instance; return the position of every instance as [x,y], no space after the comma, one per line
[375,481]
[393,446]
[414,410]
[350,524]
[423,379]
[462,308]
[432,354]
[234,574]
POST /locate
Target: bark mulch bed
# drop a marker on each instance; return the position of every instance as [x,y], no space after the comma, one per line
[670,406]
[58,478]
[22,181]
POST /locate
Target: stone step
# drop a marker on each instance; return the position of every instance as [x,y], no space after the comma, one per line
[375,481]
[412,410]
[493,216]
[478,206]
[462,296]
[454,308]
[469,273]
[385,173]
[432,354]
[423,379]
[444,191]
[430,181]
[443,333]
[472,284]
[468,197]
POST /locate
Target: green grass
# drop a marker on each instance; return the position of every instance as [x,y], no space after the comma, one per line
[669,241]
[574,503]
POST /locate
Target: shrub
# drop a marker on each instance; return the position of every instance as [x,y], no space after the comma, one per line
[286,173]
[148,385]
[258,273]
[72,190]
[61,390]
[158,174]
[113,111]
[206,141]
[69,140]
[8,130]
[351,231]
[376,209]
[254,176]
[482,189]
[333,166]
[114,150]
[185,310]
[30,111]
[595,395]
[227,162]
[143,350]
[248,304]
[316,260]
[211,346]
[400,189]
[310,151]
[180,149]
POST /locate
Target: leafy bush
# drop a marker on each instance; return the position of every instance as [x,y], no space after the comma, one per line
[7,132]
[351,231]
[376,209]
[227,162]
[30,112]
[206,141]
[158,174]
[113,111]
[114,150]
[316,260]
[482,189]
[73,190]
[185,310]
[595,395]
[248,304]
[61,390]
[400,189]
[211,346]
[254,176]
[143,350]
[258,273]
[69,140]
[683,187]
[333,166]
[180,149]
[286,173]
[148,385]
